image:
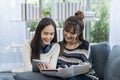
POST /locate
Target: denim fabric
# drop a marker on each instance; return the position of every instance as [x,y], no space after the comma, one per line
[79,77]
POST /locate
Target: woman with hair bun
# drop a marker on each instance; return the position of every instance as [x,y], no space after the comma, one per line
[74,49]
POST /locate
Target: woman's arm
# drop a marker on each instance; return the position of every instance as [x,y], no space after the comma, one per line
[55,54]
[86,64]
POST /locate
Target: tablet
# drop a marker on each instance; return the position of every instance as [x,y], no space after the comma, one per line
[34,64]
[48,70]
[40,61]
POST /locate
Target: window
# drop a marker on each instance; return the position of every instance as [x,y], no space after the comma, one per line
[99,31]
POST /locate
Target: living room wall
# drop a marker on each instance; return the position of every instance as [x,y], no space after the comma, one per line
[12,30]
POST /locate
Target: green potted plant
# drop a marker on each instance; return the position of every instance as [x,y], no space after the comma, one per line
[32,25]
[46,13]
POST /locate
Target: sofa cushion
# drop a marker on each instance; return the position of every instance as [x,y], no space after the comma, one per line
[98,56]
[7,76]
[112,68]
[33,76]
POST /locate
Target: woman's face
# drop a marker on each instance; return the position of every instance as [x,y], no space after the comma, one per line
[70,36]
[47,34]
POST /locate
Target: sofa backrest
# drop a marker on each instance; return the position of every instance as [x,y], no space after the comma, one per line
[98,56]
[112,68]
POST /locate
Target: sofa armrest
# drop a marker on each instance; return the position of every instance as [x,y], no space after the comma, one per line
[112,68]
[7,76]
[98,56]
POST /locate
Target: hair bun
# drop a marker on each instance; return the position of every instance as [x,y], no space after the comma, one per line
[80,15]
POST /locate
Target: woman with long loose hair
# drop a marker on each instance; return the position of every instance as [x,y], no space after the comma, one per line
[43,46]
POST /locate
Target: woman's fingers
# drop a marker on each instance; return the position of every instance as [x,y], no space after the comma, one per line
[42,66]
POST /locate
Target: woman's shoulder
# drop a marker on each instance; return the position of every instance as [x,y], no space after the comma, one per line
[56,45]
[55,48]
[84,45]
[85,42]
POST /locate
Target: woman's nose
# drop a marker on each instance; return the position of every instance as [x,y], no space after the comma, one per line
[48,36]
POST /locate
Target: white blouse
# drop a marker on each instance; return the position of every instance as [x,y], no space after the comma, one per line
[50,57]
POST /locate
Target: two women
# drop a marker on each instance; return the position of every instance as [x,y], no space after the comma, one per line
[73,50]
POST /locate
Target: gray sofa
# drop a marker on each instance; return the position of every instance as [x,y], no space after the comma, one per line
[112,68]
[105,63]
[7,76]
[99,55]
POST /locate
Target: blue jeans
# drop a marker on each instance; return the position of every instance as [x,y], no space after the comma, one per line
[79,77]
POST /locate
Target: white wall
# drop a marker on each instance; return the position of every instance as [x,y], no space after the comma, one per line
[10,32]
[115,23]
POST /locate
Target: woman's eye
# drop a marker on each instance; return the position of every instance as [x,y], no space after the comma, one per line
[72,33]
[45,33]
[51,33]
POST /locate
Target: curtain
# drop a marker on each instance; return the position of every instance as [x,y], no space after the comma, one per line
[115,23]
[12,32]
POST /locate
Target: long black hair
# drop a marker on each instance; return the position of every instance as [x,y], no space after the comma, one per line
[36,41]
